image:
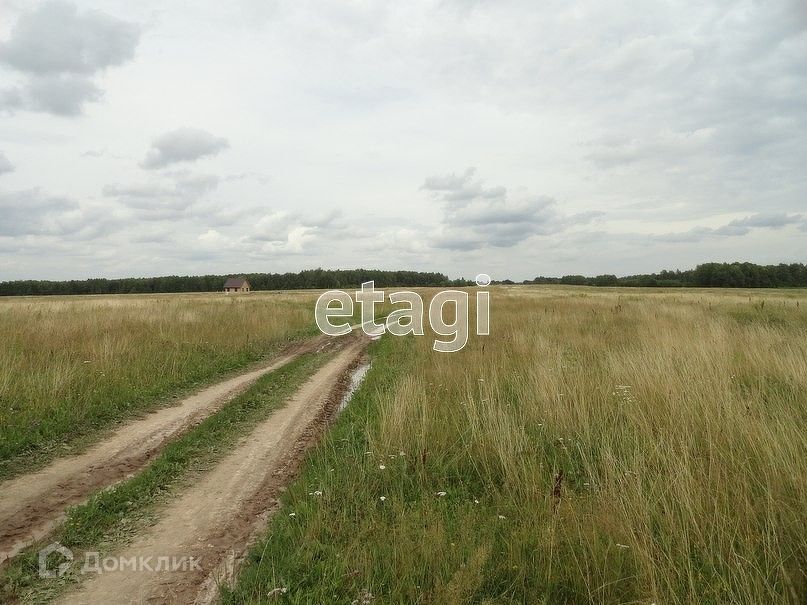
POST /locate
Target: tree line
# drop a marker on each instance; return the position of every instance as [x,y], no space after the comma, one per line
[311,278]
[714,275]
[707,275]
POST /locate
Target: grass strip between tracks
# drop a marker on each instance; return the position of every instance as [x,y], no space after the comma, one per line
[110,516]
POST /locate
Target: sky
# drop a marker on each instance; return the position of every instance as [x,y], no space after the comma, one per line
[507,137]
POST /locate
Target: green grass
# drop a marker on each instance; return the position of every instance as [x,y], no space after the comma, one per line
[114,514]
[73,367]
[679,429]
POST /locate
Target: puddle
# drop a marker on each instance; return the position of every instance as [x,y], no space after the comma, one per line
[356,378]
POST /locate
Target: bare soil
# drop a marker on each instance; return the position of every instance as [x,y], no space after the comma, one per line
[32,505]
[215,519]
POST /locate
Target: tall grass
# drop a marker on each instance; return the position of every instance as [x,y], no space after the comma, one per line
[71,365]
[113,515]
[601,446]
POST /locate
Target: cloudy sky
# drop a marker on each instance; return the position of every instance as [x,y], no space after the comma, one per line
[510,137]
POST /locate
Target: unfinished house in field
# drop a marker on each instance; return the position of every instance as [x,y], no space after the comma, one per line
[236,284]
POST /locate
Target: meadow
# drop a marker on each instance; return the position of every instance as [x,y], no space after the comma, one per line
[71,366]
[600,446]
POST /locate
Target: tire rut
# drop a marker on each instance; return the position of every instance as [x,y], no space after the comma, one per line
[214,520]
[34,504]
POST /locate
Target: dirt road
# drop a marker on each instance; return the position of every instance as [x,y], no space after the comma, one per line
[213,520]
[32,505]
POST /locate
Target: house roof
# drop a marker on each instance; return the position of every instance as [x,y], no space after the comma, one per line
[235,282]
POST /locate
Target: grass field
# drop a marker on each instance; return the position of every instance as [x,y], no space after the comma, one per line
[114,515]
[72,365]
[601,446]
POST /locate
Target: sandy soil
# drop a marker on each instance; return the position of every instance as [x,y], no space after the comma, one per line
[33,504]
[214,519]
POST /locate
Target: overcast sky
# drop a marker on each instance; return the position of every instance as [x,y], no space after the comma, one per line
[514,138]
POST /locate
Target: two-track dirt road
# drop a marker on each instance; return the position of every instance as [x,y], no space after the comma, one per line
[213,520]
[33,504]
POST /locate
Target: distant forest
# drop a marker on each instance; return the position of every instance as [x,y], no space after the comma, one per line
[712,275]
[313,278]
[708,275]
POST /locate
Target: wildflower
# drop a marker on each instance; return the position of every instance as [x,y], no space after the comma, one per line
[476,501]
[502,517]
[381,466]
[365,598]
[292,514]
[383,498]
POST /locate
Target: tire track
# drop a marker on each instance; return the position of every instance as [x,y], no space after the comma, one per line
[213,520]
[32,505]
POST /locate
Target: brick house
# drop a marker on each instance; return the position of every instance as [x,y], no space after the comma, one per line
[236,284]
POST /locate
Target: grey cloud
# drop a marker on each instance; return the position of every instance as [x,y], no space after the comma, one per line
[58,51]
[168,199]
[735,228]
[448,182]
[102,153]
[63,95]
[182,145]
[32,212]
[461,188]
[767,219]
[475,216]
[55,39]
[5,164]
[729,230]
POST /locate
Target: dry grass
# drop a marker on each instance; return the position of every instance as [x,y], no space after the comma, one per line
[605,446]
[70,365]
